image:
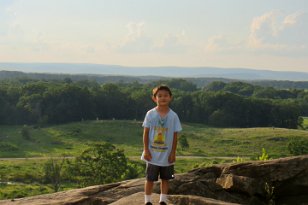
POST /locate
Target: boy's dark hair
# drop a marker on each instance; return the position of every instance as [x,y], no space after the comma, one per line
[161,87]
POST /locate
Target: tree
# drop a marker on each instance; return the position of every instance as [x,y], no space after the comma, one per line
[53,172]
[99,164]
[183,142]
[25,132]
[215,86]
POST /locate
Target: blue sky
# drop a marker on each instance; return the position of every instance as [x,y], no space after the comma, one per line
[264,34]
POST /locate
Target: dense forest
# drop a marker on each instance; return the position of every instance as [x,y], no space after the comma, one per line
[233,104]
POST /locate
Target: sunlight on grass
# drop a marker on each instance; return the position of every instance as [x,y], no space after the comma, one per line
[72,138]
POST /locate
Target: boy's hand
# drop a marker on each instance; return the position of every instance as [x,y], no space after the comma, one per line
[147,155]
[171,158]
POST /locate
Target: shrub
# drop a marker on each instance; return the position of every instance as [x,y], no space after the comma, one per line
[298,146]
[25,132]
[264,155]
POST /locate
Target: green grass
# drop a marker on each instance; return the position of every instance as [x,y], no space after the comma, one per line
[11,191]
[243,142]
[20,178]
[71,139]
[25,176]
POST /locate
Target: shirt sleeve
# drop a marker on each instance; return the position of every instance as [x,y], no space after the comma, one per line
[147,121]
[177,124]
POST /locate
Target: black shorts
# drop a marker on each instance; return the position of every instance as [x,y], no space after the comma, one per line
[153,171]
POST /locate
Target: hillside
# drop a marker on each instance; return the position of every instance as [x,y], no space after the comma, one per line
[72,138]
[207,146]
[200,82]
[210,72]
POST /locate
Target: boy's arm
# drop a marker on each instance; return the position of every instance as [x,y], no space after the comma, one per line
[171,158]
[147,153]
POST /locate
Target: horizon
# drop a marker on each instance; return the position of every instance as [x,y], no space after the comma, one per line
[263,35]
[169,72]
[144,66]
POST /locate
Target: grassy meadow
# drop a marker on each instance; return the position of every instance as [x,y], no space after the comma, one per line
[71,139]
[207,146]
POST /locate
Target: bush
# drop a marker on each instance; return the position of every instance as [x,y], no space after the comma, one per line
[102,163]
[25,132]
[264,155]
[8,147]
[298,146]
[183,142]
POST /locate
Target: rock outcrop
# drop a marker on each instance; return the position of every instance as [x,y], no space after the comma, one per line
[283,181]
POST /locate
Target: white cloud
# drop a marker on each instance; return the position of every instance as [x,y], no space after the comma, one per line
[291,19]
[135,40]
[223,44]
[265,29]
[172,43]
[213,43]
[135,30]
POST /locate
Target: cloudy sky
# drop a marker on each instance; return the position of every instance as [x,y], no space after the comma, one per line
[263,34]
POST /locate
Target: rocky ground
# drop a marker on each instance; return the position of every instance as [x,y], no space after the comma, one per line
[279,181]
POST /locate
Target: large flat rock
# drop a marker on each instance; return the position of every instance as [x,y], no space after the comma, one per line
[241,183]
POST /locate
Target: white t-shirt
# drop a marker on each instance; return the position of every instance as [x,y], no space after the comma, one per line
[161,135]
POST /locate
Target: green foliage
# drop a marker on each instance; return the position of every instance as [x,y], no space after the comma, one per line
[12,191]
[135,169]
[239,160]
[7,147]
[71,139]
[215,86]
[178,84]
[305,122]
[100,164]
[53,172]
[183,142]
[300,122]
[298,146]
[264,155]
[234,104]
[25,132]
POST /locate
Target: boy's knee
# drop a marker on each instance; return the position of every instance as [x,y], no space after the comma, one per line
[149,182]
[164,181]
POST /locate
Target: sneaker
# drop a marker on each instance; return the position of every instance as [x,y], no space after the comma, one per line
[162,203]
[148,203]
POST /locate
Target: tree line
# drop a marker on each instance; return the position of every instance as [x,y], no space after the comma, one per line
[199,81]
[234,104]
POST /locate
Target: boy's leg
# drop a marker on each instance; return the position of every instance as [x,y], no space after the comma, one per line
[166,173]
[148,187]
[152,172]
[164,186]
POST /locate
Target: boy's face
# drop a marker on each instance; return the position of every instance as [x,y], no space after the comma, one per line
[162,98]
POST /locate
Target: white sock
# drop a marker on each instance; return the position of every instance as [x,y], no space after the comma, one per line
[163,197]
[147,198]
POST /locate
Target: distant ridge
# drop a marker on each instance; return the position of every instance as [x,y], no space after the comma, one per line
[168,71]
[200,82]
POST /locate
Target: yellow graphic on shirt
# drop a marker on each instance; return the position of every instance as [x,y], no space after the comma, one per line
[159,144]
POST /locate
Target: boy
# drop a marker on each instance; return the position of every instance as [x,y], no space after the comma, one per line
[161,126]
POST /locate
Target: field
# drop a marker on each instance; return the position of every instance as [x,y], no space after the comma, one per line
[207,146]
[71,139]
